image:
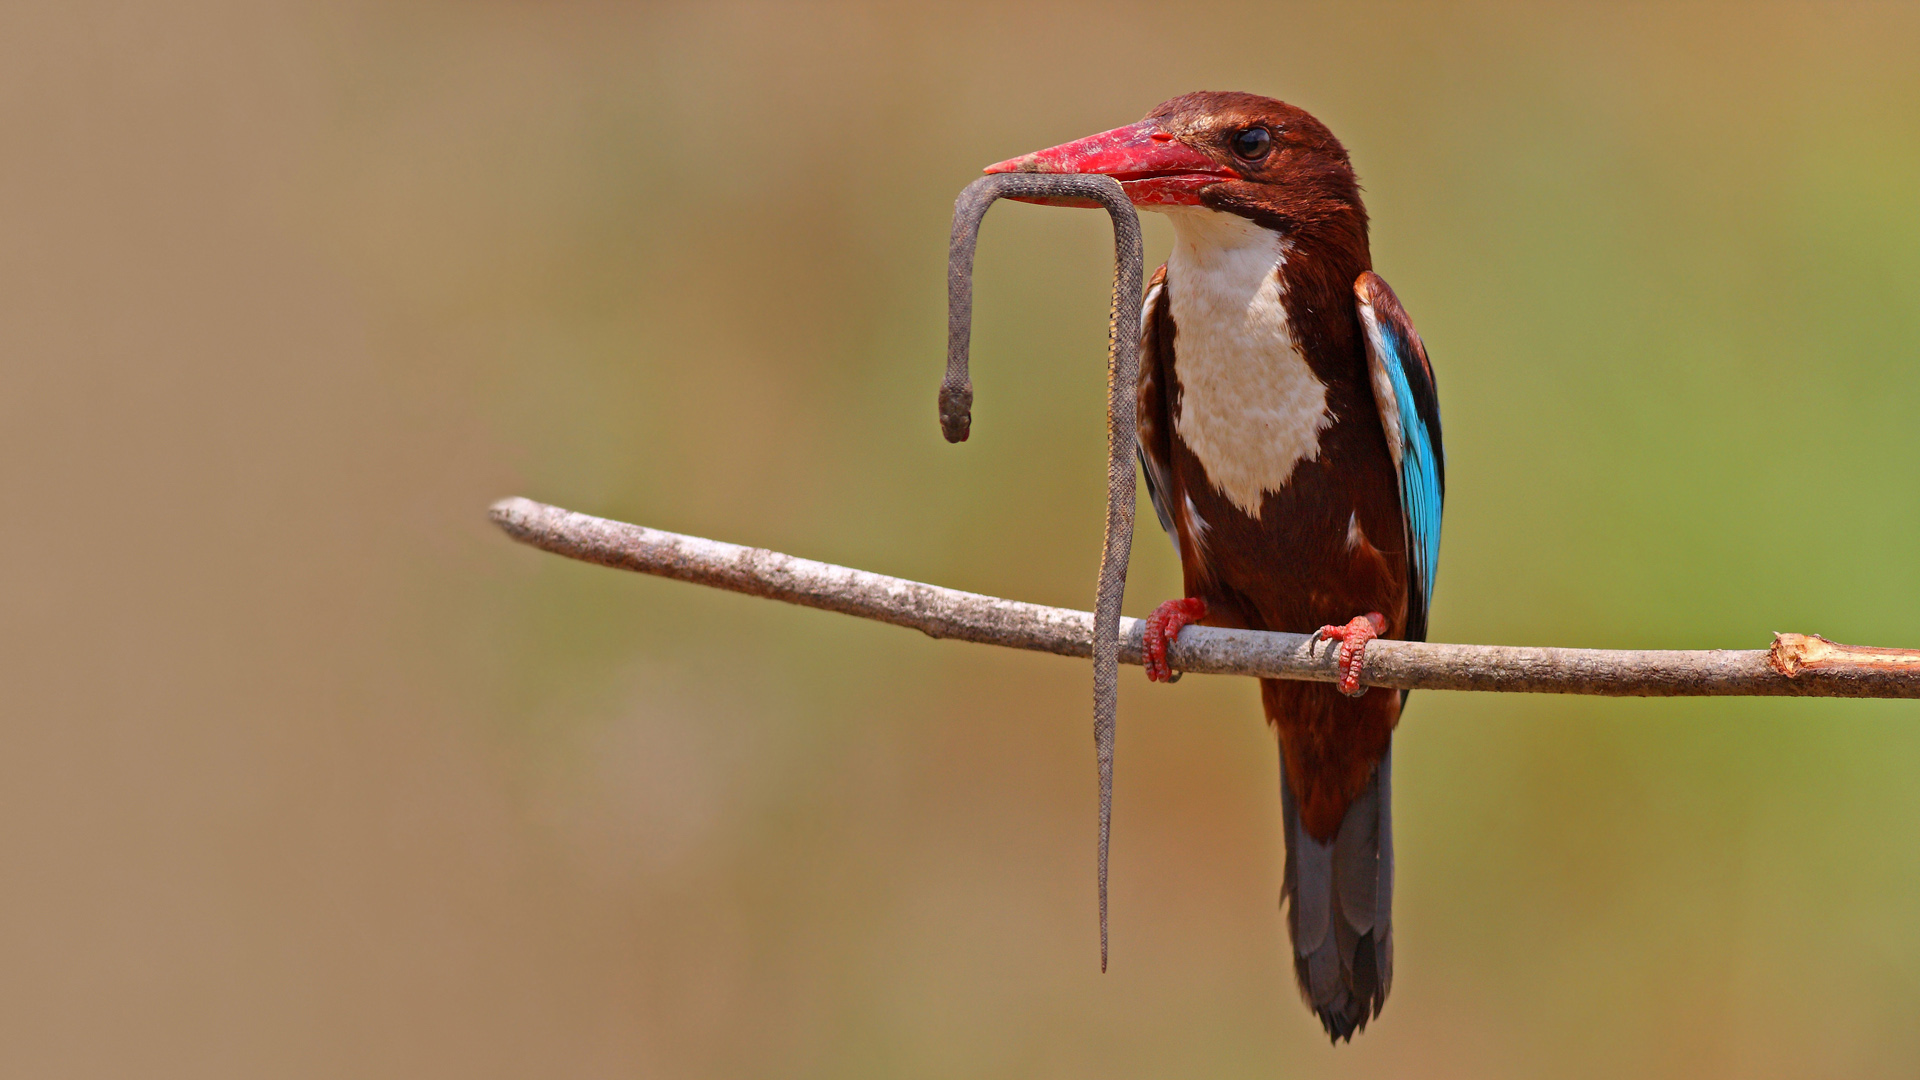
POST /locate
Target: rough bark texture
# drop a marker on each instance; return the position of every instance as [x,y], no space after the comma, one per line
[1797,665]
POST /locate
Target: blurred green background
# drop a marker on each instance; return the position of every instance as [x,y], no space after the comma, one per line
[306,771]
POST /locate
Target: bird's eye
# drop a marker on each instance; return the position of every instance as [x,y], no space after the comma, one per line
[1252,144]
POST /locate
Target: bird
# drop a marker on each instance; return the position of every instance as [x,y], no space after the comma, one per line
[1289,437]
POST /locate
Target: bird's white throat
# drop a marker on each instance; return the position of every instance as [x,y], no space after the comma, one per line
[1248,405]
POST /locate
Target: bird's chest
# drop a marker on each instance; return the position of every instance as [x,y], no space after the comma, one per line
[1248,405]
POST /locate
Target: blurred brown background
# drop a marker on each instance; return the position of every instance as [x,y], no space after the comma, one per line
[305,771]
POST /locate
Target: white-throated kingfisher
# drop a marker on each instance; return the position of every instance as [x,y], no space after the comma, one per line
[1290,440]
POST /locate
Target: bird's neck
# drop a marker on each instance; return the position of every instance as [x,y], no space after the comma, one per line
[1226,250]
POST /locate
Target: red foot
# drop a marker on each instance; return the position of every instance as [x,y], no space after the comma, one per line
[1162,627]
[1353,639]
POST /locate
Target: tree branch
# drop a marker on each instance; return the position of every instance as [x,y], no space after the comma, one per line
[1796,666]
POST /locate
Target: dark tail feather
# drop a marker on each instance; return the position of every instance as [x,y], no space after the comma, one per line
[1341,915]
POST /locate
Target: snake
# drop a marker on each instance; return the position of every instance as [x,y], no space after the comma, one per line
[1123,378]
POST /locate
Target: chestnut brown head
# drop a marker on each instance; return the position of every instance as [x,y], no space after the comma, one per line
[1241,153]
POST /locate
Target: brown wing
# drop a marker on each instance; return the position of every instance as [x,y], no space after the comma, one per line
[1153,411]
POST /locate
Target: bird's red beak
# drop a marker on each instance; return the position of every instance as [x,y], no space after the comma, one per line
[1155,168]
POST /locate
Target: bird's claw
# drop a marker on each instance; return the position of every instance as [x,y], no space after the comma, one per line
[1353,639]
[1163,626]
